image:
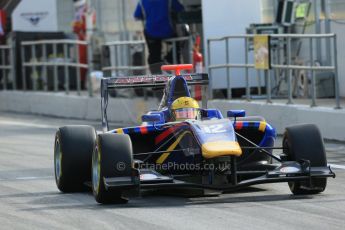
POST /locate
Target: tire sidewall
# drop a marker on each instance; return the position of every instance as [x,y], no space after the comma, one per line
[106,152]
[304,142]
[75,145]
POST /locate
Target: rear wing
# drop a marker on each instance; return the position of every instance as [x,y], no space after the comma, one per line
[150,81]
[153,81]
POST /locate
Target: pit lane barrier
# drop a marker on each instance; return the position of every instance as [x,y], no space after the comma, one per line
[7,67]
[35,57]
[41,57]
[283,42]
[181,46]
[121,54]
[121,58]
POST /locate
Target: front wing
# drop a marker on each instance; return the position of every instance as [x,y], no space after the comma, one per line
[287,172]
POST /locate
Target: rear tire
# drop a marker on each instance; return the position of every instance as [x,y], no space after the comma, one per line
[112,158]
[72,157]
[304,142]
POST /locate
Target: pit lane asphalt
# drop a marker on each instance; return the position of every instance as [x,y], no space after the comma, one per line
[29,198]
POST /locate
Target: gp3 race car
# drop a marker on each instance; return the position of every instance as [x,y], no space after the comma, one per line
[183,146]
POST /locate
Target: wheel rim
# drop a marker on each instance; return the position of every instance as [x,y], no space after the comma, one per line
[58,160]
[96,170]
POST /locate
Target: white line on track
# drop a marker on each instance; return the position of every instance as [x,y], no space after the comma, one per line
[337,166]
[34,178]
[27,124]
[27,178]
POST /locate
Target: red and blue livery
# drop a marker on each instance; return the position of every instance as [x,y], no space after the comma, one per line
[205,151]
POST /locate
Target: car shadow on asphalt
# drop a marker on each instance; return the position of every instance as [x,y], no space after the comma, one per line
[151,199]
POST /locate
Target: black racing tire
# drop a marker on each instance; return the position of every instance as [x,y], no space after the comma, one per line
[112,157]
[73,150]
[304,142]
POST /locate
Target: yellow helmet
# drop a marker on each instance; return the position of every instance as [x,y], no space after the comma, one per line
[184,108]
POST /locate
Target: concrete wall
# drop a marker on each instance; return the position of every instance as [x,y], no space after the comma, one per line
[223,18]
[339,29]
[330,121]
[124,110]
[129,111]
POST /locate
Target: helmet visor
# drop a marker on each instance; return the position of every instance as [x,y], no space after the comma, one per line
[186,113]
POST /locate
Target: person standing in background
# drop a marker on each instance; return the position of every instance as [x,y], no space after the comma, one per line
[3,24]
[79,28]
[158,25]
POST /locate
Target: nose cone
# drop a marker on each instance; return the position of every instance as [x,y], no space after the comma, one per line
[220,148]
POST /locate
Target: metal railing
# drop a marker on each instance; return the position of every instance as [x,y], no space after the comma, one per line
[282,42]
[46,56]
[182,47]
[121,54]
[121,58]
[55,65]
[7,66]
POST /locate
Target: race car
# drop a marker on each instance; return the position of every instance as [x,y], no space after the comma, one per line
[181,145]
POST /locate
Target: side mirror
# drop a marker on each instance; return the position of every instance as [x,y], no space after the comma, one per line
[151,118]
[211,113]
[236,113]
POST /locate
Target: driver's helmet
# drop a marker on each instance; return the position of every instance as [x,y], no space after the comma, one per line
[184,108]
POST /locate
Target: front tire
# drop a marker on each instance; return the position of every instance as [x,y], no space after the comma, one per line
[304,142]
[72,157]
[112,157]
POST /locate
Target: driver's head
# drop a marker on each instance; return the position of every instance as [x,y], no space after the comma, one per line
[184,108]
